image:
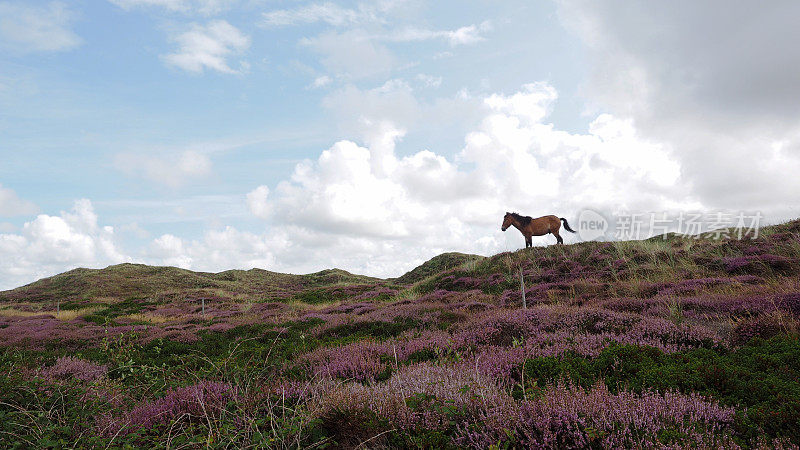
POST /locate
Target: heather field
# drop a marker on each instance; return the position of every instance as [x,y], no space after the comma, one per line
[669,342]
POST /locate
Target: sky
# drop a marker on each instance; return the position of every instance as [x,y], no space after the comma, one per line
[370,136]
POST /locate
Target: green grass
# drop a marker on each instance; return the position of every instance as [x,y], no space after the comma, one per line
[110,312]
[380,330]
[435,265]
[760,378]
[763,376]
[137,280]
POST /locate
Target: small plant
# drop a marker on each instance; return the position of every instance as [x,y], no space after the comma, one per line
[408,294]
[120,348]
[675,308]
[68,367]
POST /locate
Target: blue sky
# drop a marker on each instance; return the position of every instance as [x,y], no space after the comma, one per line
[295,135]
[70,112]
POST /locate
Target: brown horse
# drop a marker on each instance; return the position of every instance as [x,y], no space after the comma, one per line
[529,226]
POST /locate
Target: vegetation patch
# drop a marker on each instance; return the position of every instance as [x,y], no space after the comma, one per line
[677,342]
[763,376]
[376,329]
[110,312]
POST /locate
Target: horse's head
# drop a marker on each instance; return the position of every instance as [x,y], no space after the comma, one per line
[508,219]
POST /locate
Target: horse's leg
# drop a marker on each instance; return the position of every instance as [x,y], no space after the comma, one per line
[554,227]
[528,242]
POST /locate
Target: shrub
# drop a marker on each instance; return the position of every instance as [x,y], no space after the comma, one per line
[206,400]
[378,329]
[566,416]
[764,327]
[763,376]
[67,367]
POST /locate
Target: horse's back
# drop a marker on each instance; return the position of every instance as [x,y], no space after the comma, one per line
[543,225]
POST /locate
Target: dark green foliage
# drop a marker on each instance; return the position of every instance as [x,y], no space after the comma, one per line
[126,280]
[763,376]
[244,345]
[424,438]
[421,438]
[448,318]
[375,329]
[351,428]
[763,327]
[348,429]
[36,415]
[423,355]
[435,265]
[329,277]
[317,296]
[340,292]
[75,304]
[130,305]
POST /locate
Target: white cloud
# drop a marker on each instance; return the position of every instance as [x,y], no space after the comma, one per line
[371,13]
[355,45]
[711,80]
[466,35]
[11,205]
[469,34]
[531,104]
[357,53]
[352,53]
[133,229]
[52,244]
[394,101]
[330,13]
[173,171]
[27,28]
[361,112]
[170,251]
[327,12]
[209,47]
[363,208]
[257,202]
[220,250]
[205,7]
[366,209]
[428,80]
[320,82]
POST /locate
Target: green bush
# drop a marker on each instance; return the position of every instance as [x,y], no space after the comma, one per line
[109,313]
[763,376]
[376,329]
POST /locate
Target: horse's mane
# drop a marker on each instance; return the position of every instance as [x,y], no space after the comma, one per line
[524,220]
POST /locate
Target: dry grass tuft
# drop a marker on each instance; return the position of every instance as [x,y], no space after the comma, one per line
[410,293]
[61,315]
[149,318]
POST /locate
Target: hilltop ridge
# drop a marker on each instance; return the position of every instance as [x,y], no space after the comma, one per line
[702,330]
[129,279]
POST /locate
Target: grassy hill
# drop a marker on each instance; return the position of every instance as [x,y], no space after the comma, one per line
[436,265]
[698,335]
[123,281]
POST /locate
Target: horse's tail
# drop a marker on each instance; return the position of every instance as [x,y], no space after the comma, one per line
[566,225]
